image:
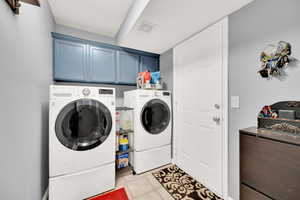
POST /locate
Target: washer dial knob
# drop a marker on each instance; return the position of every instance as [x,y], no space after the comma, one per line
[86,92]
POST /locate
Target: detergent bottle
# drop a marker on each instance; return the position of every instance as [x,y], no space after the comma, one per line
[124,145]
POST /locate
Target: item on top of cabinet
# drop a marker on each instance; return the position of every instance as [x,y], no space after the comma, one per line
[267,112]
[282,116]
[274,59]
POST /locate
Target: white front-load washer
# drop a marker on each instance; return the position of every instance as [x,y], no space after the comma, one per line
[152,128]
[81,141]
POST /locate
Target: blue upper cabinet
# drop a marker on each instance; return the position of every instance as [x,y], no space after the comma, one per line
[70,61]
[102,65]
[150,63]
[128,67]
[77,60]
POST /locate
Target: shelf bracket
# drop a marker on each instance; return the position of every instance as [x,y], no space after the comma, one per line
[15,4]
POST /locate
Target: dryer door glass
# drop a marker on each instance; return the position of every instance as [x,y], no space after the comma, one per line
[155,116]
[83,124]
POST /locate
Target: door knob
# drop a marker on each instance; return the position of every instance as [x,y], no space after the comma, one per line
[216,119]
[217,106]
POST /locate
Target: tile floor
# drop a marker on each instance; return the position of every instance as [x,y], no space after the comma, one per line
[143,186]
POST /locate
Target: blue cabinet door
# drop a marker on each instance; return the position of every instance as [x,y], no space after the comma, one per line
[102,64]
[149,63]
[128,67]
[70,61]
[81,60]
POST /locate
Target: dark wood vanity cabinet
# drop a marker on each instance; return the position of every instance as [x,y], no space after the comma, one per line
[269,165]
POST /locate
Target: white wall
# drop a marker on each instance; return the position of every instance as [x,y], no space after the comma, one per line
[251,29]
[84,34]
[166,69]
[25,75]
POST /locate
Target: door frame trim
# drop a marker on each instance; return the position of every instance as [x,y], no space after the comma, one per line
[225,91]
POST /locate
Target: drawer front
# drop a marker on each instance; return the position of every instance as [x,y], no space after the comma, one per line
[270,167]
[249,194]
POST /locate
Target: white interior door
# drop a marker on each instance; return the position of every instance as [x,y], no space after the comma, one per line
[199,106]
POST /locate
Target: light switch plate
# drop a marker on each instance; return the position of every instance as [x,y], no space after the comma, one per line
[235,102]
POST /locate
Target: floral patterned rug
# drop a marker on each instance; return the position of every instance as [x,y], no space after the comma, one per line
[182,186]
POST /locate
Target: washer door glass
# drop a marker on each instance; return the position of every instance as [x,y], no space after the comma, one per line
[83,124]
[155,116]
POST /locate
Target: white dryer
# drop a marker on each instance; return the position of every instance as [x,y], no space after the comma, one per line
[152,128]
[81,141]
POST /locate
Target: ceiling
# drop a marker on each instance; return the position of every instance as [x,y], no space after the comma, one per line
[176,20]
[97,16]
[149,25]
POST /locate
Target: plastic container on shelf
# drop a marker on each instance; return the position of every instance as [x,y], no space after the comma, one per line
[122,160]
[124,144]
[124,133]
[126,120]
[118,125]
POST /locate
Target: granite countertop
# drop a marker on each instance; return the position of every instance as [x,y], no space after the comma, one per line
[274,135]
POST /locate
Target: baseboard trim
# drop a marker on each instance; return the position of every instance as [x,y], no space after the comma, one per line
[46,194]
